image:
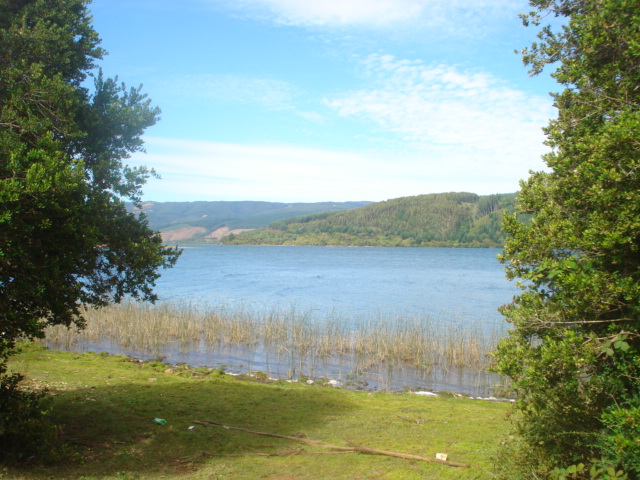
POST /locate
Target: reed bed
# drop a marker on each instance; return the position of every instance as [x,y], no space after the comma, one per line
[417,341]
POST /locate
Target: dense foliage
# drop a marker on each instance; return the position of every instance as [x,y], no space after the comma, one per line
[66,239]
[574,351]
[436,220]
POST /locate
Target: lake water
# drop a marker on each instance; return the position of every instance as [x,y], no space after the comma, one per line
[347,281]
[465,286]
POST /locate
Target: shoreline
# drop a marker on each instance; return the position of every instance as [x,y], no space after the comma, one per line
[470,383]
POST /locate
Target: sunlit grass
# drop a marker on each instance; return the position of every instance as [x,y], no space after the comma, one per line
[105,406]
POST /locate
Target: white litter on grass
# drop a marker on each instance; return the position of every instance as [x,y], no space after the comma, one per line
[425,394]
[441,456]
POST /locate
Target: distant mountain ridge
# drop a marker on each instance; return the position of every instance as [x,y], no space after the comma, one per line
[433,220]
[209,221]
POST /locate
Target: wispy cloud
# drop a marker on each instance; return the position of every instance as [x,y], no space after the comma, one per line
[228,88]
[215,170]
[441,107]
[447,129]
[337,12]
[375,13]
[198,170]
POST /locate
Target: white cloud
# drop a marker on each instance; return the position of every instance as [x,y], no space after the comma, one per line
[449,129]
[450,14]
[267,92]
[440,107]
[341,12]
[198,170]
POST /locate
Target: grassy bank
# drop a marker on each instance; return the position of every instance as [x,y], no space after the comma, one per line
[105,406]
[304,342]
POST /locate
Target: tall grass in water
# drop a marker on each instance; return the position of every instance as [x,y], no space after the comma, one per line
[418,341]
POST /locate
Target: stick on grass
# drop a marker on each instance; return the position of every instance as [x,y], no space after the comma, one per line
[352,448]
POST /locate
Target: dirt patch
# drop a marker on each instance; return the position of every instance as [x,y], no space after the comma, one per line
[180,234]
[224,231]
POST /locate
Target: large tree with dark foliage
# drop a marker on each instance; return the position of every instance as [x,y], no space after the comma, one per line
[574,350]
[66,239]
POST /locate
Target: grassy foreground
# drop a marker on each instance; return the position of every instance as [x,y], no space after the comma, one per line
[106,406]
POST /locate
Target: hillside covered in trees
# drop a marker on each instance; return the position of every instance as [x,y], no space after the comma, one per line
[434,220]
[202,221]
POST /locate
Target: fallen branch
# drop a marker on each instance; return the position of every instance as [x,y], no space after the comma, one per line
[313,443]
[373,451]
[278,454]
[420,421]
[249,454]
[352,448]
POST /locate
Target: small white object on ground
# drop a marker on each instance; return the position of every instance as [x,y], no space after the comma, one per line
[441,456]
[425,394]
[191,427]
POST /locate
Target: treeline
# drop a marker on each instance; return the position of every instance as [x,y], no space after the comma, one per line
[435,220]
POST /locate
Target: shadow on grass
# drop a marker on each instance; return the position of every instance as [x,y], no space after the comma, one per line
[111,429]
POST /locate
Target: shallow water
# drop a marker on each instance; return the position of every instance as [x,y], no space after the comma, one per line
[347,372]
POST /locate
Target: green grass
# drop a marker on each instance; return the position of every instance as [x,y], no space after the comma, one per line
[105,407]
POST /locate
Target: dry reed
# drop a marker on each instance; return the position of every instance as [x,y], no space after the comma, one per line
[419,342]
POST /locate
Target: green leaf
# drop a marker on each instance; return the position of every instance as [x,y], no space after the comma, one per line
[621,345]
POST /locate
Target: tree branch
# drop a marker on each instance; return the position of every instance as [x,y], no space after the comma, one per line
[352,448]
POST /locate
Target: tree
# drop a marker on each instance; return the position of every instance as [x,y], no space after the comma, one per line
[66,239]
[574,351]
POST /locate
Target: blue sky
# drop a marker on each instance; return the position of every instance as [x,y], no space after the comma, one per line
[329,100]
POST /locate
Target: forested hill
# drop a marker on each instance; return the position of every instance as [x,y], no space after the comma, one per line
[436,220]
[208,221]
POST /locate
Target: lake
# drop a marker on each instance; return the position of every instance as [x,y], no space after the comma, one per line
[461,287]
[346,281]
